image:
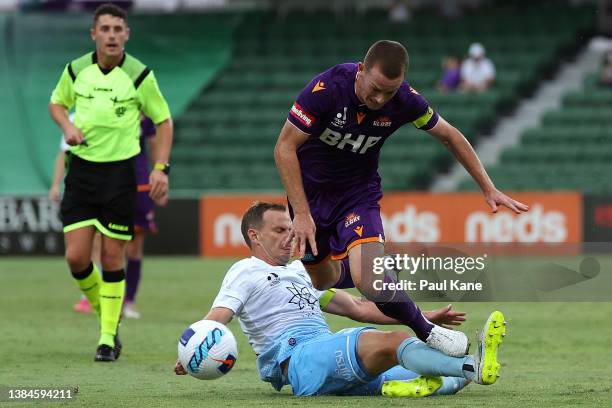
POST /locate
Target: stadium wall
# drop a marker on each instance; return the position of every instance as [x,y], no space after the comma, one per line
[210,226]
[421,217]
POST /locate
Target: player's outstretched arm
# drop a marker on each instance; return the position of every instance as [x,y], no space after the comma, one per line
[360,310]
[459,146]
[222,315]
[445,316]
[285,156]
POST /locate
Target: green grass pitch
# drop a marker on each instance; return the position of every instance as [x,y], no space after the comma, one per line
[555,354]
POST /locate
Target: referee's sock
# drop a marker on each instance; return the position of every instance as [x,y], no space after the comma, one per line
[89,281]
[111,301]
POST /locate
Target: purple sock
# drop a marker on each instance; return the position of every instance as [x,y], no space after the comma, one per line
[345,281]
[132,279]
[402,308]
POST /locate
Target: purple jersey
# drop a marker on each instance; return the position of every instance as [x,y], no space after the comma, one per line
[345,136]
[451,78]
[147,130]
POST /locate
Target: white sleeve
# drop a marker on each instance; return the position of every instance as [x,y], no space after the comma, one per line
[63,145]
[235,289]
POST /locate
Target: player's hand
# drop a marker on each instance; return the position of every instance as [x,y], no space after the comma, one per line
[178,369]
[73,135]
[303,231]
[54,194]
[159,185]
[161,202]
[445,316]
[497,198]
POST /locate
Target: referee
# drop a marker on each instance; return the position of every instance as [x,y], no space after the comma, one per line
[108,89]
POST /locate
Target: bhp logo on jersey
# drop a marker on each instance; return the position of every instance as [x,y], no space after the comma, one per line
[300,114]
[359,144]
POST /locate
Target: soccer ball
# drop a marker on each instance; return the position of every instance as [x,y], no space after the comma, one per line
[207,350]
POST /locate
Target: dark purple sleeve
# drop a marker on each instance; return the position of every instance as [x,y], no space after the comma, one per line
[418,111]
[147,128]
[312,105]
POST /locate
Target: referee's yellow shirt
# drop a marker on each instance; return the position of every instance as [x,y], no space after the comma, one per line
[108,104]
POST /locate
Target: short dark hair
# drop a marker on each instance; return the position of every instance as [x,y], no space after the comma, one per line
[390,56]
[112,9]
[253,217]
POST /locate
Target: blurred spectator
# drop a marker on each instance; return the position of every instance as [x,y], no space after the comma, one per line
[606,70]
[477,72]
[399,12]
[451,76]
[450,9]
[71,5]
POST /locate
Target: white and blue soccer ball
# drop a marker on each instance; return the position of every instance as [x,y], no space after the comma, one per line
[207,350]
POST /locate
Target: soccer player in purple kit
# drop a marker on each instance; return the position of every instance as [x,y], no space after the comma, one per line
[144,219]
[327,156]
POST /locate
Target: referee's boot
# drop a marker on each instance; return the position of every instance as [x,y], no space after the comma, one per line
[118,344]
[105,353]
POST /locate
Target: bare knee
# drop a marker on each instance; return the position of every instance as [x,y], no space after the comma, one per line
[134,248]
[361,258]
[77,260]
[324,275]
[392,342]
[112,256]
[378,350]
[321,282]
[365,286]
[78,248]
[111,261]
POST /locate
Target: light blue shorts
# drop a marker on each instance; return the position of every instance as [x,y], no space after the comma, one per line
[328,364]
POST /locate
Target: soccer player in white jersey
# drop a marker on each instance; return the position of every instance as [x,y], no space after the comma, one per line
[280,312]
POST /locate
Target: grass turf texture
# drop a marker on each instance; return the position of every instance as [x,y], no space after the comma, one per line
[555,354]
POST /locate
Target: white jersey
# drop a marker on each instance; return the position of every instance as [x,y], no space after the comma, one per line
[268,300]
[477,73]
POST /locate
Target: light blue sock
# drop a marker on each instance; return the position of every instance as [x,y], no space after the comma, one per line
[417,356]
[451,385]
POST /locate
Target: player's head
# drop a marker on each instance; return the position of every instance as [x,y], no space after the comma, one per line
[265,228]
[110,30]
[451,62]
[476,51]
[381,73]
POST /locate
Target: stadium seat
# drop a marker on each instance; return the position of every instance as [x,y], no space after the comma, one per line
[570,150]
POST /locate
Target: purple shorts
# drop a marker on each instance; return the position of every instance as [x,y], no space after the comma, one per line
[341,225]
[144,218]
